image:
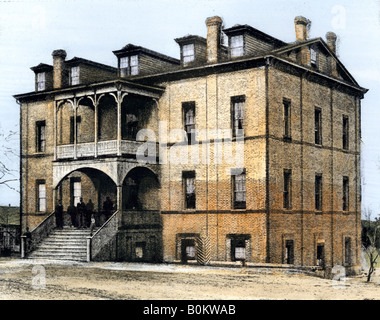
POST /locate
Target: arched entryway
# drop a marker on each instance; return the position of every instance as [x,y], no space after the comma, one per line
[95,189]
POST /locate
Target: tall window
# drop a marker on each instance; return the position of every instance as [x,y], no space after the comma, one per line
[76,191]
[188,53]
[239,189]
[41,196]
[237,46]
[345,193]
[318,125]
[189,119]
[237,104]
[318,192]
[74,76]
[189,187]
[287,189]
[40,136]
[287,117]
[129,66]
[41,81]
[313,58]
[345,132]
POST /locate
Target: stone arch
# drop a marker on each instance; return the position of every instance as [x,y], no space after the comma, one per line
[141,188]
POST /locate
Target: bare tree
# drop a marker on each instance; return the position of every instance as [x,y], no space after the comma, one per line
[8,155]
[371,241]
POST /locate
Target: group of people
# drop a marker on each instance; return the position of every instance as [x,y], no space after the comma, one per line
[82,215]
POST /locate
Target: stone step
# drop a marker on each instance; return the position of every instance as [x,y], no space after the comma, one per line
[63,256]
[67,248]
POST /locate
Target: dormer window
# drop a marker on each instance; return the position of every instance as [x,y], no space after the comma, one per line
[237,46]
[129,66]
[313,57]
[188,53]
[41,81]
[74,76]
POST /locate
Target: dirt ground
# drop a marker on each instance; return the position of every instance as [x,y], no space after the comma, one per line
[53,280]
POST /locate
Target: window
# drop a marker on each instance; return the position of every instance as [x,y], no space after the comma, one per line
[237,46]
[313,58]
[140,250]
[188,54]
[189,120]
[74,76]
[132,124]
[239,191]
[287,189]
[318,125]
[238,245]
[347,250]
[188,250]
[318,192]
[345,193]
[129,66]
[76,191]
[289,252]
[345,132]
[41,196]
[41,81]
[41,136]
[237,104]
[189,186]
[287,117]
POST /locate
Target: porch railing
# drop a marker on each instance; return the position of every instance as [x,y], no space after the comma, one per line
[102,237]
[30,241]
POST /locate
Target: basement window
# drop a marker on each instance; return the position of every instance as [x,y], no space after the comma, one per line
[289,252]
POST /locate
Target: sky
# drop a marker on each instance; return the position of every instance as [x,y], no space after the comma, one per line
[31,30]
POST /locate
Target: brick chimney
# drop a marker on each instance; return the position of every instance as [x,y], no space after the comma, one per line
[301,25]
[58,67]
[331,42]
[214,25]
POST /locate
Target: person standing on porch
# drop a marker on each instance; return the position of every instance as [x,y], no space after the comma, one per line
[81,209]
[72,212]
[59,215]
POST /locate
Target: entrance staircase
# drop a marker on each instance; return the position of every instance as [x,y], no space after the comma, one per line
[63,244]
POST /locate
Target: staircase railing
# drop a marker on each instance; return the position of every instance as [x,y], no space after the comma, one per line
[30,240]
[102,237]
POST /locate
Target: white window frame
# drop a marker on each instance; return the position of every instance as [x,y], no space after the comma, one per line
[237,46]
[41,198]
[188,53]
[74,75]
[77,192]
[129,66]
[41,81]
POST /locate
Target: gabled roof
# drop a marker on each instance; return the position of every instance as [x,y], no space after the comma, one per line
[42,67]
[133,49]
[299,44]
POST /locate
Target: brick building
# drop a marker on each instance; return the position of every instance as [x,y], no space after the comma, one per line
[292,196]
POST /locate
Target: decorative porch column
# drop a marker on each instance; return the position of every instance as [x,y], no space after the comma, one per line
[119,96]
[119,198]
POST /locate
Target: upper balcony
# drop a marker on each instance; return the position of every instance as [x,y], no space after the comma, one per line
[102,122]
